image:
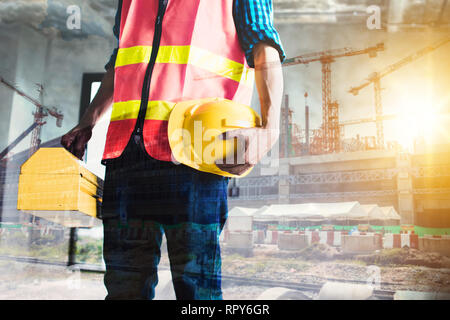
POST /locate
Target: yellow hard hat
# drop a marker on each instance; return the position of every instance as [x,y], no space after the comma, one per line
[194,126]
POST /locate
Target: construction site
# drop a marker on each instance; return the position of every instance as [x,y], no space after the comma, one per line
[352,202]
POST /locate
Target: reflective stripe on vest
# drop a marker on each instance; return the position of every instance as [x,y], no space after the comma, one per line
[199,57]
[157,110]
[188,55]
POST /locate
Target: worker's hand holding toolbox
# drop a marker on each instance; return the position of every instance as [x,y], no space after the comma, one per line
[54,185]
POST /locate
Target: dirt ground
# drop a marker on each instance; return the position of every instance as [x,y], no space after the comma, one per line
[19,281]
[398,269]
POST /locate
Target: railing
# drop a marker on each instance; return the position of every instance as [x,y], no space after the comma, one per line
[253,188]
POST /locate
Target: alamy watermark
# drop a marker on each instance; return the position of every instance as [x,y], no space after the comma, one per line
[73,21]
[374,20]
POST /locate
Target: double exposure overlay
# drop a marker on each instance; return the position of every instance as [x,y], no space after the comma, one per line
[225,150]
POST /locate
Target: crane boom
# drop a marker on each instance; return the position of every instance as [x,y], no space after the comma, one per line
[331,55]
[367,120]
[390,69]
[52,111]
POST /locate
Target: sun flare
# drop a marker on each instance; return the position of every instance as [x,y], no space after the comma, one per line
[422,119]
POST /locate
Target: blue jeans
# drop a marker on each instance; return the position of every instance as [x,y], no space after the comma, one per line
[132,253]
[145,198]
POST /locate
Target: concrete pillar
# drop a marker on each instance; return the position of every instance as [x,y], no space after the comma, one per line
[22,51]
[283,183]
[8,52]
[31,53]
[405,189]
[292,241]
[395,14]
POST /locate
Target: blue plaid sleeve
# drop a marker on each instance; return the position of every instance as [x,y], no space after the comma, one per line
[254,24]
[116,31]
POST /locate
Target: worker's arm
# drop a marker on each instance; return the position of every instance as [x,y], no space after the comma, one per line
[76,139]
[269,83]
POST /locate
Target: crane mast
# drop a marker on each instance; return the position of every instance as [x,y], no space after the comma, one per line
[330,133]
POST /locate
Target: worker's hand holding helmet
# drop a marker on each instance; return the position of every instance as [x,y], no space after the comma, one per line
[218,136]
[253,143]
[76,139]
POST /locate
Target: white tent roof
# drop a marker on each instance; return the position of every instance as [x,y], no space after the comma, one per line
[287,210]
[390,213]
[241,212]
[340,210]
[374,212]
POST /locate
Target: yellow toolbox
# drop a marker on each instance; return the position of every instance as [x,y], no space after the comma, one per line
[54,185]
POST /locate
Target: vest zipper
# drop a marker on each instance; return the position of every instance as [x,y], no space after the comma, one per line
[148,73]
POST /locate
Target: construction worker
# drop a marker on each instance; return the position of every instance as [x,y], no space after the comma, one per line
[171,51]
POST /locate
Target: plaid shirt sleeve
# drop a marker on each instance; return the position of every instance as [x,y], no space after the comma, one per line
[254,24]
[116,31]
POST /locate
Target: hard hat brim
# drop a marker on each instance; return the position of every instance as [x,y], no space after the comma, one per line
[179,151]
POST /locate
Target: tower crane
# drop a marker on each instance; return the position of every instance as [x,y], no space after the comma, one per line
[330,109]
[40,113]
[376,77]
